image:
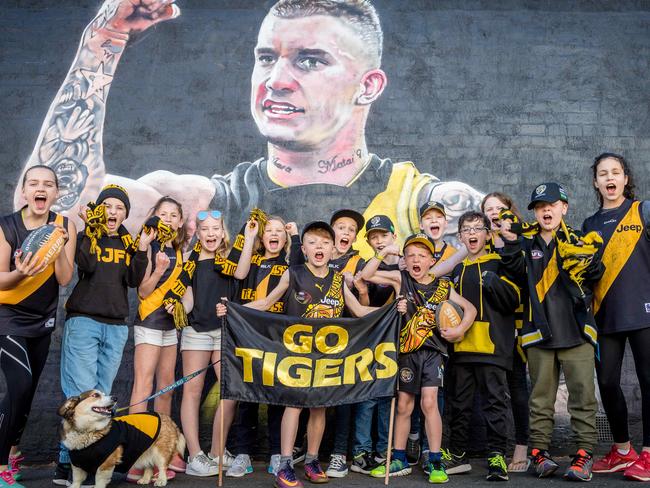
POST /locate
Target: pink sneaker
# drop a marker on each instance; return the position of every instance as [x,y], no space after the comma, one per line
[177,464]
[640,470]
[14,465]
[135,474]
[614,461]
[7,480]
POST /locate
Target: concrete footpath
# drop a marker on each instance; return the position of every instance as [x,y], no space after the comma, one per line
[40,477]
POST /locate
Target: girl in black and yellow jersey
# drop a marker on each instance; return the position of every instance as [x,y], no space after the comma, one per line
[211,279]
[154,331]
[29,295]
[309,290]
[491,206]
[622,307]
[261,261]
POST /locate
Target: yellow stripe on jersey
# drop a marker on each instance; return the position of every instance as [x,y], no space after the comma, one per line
[351,265]
[548,278]
[155,300]
[30,284]
[618,250]
[146,423]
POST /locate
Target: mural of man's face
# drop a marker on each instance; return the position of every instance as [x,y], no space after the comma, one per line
[307,80]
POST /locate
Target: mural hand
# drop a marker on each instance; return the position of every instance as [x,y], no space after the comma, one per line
[134,16]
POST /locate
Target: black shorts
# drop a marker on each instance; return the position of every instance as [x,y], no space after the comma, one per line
[424,367]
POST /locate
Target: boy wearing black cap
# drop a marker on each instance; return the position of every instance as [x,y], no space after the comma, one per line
[95,328]
[422,346]
[558,330]
[310,290]
[380,233]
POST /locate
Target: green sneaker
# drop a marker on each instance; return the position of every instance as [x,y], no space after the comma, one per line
[437,473]
[497,469]
[397,468]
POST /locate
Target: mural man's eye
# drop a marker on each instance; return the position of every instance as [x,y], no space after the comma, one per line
[265,59]
[310,63]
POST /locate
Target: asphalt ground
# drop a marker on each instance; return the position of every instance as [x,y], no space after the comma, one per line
[40,477]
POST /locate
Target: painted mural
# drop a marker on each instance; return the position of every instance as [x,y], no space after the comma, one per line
[316,73]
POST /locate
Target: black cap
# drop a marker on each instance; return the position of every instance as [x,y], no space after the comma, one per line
[317,224]
[352,214]
[547,192]
[380,222]
[115,191]
[420,238]
[431,205]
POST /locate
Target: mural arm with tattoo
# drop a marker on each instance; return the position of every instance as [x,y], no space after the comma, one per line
[71,137]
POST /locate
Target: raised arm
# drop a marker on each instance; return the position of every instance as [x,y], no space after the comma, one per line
[244,263]
[353,304]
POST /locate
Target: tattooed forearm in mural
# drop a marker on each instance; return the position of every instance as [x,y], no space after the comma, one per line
[70,140]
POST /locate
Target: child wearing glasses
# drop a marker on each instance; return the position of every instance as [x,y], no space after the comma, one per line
[484,355]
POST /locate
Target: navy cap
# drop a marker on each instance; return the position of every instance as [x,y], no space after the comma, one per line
[432,205]
[547,192]
[380,222]
[317,224]
[352,214]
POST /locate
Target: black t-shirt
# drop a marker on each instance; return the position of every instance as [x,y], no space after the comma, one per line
[380,295]
[557,303]
[208,286]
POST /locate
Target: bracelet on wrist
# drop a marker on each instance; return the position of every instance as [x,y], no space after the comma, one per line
[379,257]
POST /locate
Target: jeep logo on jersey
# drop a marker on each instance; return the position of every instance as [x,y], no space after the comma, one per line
[540,190]
[626,228]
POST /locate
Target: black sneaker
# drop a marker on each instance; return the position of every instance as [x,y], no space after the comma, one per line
[541,463]
[455,463]
[497,469]
[89,482]
[62,474]
[413,450]
[298,454]
[363,462]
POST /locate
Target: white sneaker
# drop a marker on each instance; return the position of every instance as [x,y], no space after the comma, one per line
[200,465]
[241,466]
[274,464]
[338,468]
[228,459]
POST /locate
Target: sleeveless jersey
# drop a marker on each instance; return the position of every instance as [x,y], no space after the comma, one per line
[314,297]
[263,277]
[420,325]
[29,309]
[151,314]
[208,286]
[622,296]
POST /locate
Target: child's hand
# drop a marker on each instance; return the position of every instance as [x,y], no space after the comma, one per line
[453,334]
[169,307]
[401,264]
[401,304]
[360,284]
[349,279]
[146,239]
[221,308]
[505,231]
[82,213]
[29,266]
[250,231]
[162,262]
[393,250]
[291,228]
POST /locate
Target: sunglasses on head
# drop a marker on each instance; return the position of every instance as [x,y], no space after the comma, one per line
[204,214]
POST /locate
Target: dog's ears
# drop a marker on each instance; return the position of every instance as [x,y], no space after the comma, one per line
[67,409]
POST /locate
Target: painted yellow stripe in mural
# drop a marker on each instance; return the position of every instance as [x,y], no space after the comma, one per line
[618,250]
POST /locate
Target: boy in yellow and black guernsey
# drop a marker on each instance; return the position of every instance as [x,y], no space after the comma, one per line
[481,359]
[622,308]
[29,294]
[316,291]
[422,347]
[558,332]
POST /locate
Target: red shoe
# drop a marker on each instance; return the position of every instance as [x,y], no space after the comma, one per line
[614,461]
[135,474]
[640,470]
[177,464]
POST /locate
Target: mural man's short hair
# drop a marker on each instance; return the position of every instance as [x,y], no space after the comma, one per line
[359,14]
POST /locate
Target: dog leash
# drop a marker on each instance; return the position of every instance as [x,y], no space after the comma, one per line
[168,388]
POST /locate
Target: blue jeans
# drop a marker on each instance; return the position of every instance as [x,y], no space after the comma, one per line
[91,353]
[363,425]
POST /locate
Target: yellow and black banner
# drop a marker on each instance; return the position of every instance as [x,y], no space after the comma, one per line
[301,362]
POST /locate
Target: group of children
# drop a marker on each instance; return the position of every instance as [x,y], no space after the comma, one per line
[538,297]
